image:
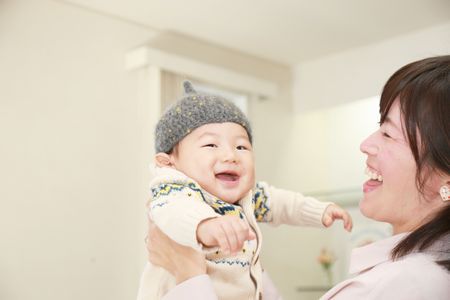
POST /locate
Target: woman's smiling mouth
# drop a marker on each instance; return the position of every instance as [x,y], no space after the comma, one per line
[374,182]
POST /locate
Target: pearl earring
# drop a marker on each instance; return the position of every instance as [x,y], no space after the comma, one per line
[445,193]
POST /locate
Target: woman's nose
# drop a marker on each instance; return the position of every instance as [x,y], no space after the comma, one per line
[369,145]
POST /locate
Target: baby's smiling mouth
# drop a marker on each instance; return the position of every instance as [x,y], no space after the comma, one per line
[227,176]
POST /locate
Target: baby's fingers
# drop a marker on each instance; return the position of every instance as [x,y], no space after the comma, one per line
[327,220]
[348,223]
[231,235]
[243,233]
[346,218]
[222,241]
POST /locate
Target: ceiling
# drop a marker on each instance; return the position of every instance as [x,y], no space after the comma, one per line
[285,31]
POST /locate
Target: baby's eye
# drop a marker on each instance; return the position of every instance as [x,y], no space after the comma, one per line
[241,147]
[210,145]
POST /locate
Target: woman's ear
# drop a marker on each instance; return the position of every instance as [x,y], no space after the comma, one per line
[444,191]
[163,160]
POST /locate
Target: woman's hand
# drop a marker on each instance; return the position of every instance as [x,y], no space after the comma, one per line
[181,261]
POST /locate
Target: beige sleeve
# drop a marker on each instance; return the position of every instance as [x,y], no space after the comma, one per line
[178,216]
[291,208]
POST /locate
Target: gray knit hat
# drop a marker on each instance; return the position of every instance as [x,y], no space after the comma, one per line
[192,111]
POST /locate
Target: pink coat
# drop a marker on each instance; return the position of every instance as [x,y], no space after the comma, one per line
[414,277]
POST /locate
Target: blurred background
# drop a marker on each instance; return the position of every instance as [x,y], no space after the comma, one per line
[82,84]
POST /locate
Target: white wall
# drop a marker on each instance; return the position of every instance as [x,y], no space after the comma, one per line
[361,72]
[72,196]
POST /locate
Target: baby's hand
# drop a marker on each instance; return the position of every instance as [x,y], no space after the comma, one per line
[227,232]
[333,212]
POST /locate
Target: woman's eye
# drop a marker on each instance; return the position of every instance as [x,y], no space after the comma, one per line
[386,135]
[210,145]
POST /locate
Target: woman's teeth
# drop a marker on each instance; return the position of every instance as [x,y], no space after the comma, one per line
[373,175]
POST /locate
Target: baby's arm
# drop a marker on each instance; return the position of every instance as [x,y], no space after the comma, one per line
[178,210]
[227,232]
[278,206]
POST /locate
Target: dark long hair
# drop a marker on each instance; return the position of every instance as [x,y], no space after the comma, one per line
[423,88]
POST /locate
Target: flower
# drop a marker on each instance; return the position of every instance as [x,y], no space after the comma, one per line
[326,258]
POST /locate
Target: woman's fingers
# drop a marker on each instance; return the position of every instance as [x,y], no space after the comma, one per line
[154,245]
[181,261]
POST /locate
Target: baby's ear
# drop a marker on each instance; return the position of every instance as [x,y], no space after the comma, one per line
[163,160]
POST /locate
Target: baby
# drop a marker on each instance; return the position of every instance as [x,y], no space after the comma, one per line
[204,196]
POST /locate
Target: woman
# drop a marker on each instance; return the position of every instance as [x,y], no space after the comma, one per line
[408,161]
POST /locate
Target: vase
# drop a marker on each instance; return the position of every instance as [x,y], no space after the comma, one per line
[329,276]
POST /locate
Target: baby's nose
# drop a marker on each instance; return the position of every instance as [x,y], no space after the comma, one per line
[229,155]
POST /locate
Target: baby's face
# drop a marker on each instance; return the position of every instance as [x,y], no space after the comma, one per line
[219,157]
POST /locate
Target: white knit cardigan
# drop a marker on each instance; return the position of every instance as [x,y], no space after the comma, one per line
[178,205]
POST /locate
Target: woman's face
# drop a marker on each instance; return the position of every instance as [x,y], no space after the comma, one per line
[391,194]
